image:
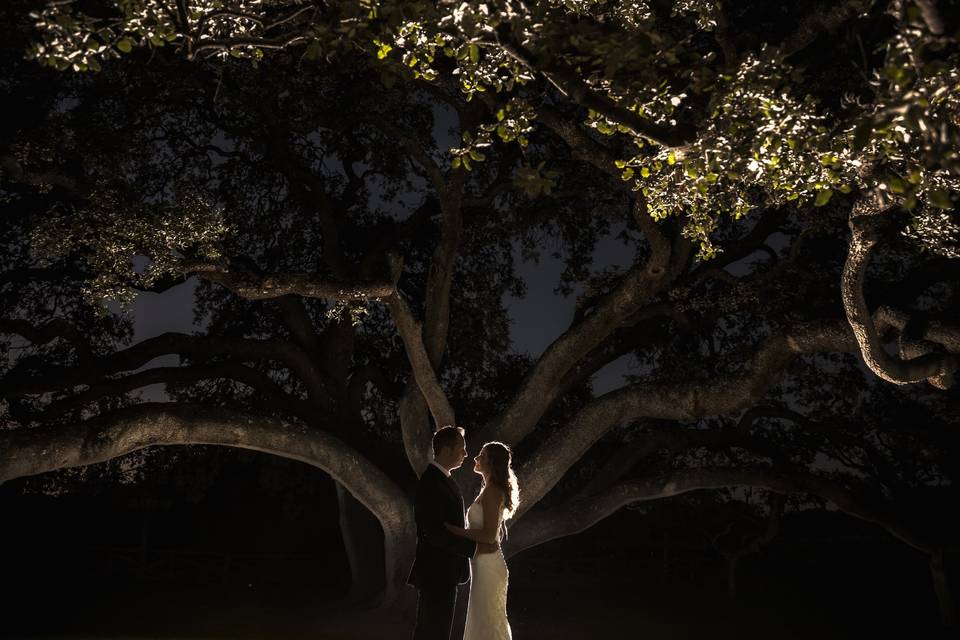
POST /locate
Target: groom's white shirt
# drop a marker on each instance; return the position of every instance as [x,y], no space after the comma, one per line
[446,472]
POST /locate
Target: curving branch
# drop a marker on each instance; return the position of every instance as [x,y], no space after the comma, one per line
[931,16]
[569,82]
[415,438]
[26,377]
[639,286]
[579,514]
[15,172]
[267,390]
[937,368]
[425,344]
[255,286]
[583,146]
[679,401]
[25,452]
[48,332]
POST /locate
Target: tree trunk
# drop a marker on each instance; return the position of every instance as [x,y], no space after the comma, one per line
[146,518]
[665,558]
[732,562]
[948,612]
[363,542]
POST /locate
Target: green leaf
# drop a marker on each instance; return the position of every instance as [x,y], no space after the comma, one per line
[940,199]
[823,197]
[125,45]
[627,174]
[620,164]
[671,158]
[897,185]
[474,53]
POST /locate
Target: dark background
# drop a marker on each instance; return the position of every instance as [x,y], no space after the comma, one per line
[73,564]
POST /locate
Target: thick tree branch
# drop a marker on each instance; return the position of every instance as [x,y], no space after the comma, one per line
[298,323]
[267,390]
[57,328]
[680,401]
[569,82]
[25,452]
[937,368]
[425,345]
[541,526]
[583,146]
[540,387]
[31,377]
[416,436]
[15,172]
[931,16]
[255,286]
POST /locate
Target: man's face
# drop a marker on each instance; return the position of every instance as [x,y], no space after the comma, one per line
[459,453]
[453,457]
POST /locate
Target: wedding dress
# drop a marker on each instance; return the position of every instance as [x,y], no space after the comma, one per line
[487,607]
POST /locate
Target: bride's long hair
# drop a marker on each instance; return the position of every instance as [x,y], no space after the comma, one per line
[500,460]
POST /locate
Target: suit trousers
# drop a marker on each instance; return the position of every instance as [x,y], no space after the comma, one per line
[435,608]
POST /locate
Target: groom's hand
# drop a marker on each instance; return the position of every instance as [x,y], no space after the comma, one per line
[486,547]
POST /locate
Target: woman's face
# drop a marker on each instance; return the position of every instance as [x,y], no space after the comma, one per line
[480,462]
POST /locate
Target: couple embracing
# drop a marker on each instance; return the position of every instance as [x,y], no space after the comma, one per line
[448,553]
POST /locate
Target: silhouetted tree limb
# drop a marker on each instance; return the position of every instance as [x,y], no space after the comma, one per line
[25,452]
[681,401]
[937,368]
[540,526]
[637,288]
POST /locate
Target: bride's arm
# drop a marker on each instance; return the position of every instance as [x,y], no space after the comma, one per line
[492,504]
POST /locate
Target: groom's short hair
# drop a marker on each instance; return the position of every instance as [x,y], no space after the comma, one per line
[446,437]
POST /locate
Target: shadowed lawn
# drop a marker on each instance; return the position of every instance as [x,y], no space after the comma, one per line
[555,607]
[578,588]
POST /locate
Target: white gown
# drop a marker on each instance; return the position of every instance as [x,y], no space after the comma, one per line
[487,607]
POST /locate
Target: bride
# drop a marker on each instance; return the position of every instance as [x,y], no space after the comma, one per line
[486,521]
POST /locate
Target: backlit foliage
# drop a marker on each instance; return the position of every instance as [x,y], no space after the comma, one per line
[741,132]
[112,234]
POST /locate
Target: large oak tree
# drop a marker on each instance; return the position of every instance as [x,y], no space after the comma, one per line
[348,187]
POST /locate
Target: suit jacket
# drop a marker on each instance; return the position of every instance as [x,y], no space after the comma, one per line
[442,558]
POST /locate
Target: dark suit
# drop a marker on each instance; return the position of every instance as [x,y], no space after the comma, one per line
[442,560]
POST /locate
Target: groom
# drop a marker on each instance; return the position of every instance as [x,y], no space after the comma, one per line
[442,560]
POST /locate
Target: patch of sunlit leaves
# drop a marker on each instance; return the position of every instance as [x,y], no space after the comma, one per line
[762,142]
[112,232]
